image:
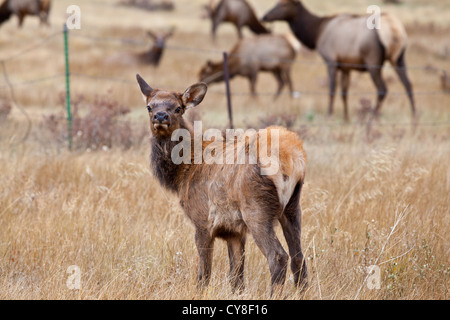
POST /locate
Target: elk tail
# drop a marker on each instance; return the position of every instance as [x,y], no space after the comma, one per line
[392,36]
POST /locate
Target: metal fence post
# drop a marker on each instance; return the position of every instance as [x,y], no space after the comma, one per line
[69,114]
[227,84]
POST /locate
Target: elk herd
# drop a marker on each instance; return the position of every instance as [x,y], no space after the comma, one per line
[344,41]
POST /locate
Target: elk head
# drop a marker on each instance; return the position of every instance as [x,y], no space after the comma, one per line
[160,38]
[283,10]
[211,72]
[166,108]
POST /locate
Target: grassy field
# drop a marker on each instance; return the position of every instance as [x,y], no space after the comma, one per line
[373,196]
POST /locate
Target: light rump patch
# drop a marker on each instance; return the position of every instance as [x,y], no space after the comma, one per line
[291,160]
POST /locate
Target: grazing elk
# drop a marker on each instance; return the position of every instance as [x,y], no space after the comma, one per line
[346,43]
[238,12]
[273,53]
[227,199]
[22,8]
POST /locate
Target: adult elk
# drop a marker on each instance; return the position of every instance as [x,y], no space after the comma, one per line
[227,199]
[238,12]
[22,8]
[273,53]
[346,43]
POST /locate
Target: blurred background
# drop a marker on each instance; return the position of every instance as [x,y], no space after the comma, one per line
[105,56]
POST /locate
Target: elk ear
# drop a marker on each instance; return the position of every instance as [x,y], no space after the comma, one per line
[194,95]
[145,88]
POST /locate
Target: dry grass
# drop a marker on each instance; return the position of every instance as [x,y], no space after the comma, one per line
[381,199]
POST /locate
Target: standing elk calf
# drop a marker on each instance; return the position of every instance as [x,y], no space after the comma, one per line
[346,43]
[228,199]
[22,8]
[273,53]
[238,12]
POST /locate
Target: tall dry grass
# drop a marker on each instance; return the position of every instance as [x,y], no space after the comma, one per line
[380,199]
[363,205]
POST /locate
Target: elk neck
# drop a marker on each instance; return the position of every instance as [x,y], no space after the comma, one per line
[169,174]
[307,27]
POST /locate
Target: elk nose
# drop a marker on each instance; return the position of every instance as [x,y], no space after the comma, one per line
[161,117]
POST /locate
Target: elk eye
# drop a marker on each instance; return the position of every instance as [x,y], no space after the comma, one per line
[178,110]
[149,109]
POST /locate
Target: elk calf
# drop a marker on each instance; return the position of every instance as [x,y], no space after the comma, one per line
[225,199]
[273,53]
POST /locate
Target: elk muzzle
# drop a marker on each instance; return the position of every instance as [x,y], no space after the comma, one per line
[161,120]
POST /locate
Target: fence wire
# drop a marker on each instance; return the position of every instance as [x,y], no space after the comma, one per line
[141,42]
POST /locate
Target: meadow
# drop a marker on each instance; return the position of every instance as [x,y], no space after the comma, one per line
[374,195]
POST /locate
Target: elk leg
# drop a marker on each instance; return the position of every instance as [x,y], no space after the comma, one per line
[215,24]
[345,83]
[332,72]
[291,225]
[217,18]
[280,80]
[252,77]
[205,245]
[21,17]
[214,29]
[236,250]
[239,30]
[377,79]
[287,76]
[267,241]
[400,68]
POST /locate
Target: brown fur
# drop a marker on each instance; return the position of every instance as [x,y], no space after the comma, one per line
[237,12]
[445,81]
[153,56]
[393,37]
[229,200]
[22,8]
[272,53]
[346,43]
